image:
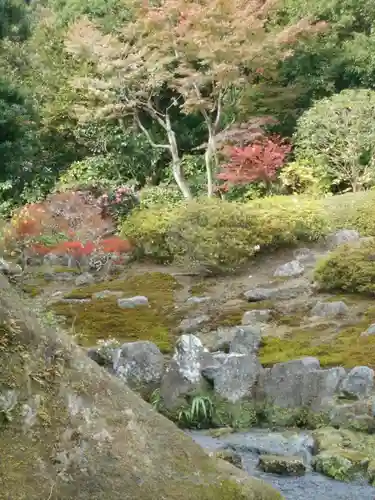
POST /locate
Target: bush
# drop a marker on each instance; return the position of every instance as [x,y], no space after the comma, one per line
[338,133]
[221,235]
[353,211]
[291,218]
[349,268]
[152,196]
[303,176]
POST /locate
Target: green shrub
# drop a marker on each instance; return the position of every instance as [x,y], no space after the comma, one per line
[353,211]
[348,268]
[292,218]
[222,235]
[303,176]
[152,196]
[338,133]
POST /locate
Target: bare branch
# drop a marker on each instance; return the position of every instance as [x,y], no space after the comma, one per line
[148,135]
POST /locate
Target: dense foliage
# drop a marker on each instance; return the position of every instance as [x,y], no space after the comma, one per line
[193,90]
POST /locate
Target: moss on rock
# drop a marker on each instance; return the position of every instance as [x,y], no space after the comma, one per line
[102,318]
[75,429]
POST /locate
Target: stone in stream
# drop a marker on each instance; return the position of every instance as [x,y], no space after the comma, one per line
[72,430]
[282,465]
[358,383]
[291,269]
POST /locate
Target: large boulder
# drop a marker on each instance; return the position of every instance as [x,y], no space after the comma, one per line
[183,374]
[233,375]
[70,430]
[140,364]
[300,383]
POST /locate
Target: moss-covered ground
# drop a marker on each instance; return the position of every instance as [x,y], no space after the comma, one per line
[334,344]
[103,318]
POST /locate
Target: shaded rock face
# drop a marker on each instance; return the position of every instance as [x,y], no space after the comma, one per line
[233,375]
[183,375]
[299,383]
[72,430]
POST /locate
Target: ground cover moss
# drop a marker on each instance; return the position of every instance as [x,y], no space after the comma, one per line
[346,348]
[102,318]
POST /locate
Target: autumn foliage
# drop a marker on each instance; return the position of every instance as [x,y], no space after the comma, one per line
[65,224]
[259,161]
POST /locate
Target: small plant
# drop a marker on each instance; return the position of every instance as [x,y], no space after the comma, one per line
[119,202]
[198,414]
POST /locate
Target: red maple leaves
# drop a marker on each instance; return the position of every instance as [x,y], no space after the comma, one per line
[259,161]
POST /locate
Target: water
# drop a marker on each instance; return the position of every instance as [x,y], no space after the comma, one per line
[311,486]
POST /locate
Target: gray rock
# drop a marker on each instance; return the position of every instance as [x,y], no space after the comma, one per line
[256,316]
[183,373]
[197,300]
[329,309]
[104,353]
[358,383]
[299,383]
[192,325]
[291,269]
[292,289]
[220,339]
[84,279]
[9,269]
[233,375]
[246,340]
[370,331]
[304,255]
[64,276]
[354,415]
[139,364]
[132,302]
[341,237]
[74,301]
[282,465]
[104,294]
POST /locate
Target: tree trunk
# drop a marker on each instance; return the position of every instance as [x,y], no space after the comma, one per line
[209,169]
[177,169]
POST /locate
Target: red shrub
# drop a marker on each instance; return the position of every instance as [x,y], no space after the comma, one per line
[258,162]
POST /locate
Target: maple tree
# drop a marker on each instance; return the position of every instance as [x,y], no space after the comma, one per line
[259,161]
[178,54]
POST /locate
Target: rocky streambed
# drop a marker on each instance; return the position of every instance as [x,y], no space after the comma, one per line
[249,446]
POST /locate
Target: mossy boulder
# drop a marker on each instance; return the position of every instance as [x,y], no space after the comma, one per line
[101,318]
[282,465]
[69,428]
[343,454]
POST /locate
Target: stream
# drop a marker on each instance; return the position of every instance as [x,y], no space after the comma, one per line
[311,486]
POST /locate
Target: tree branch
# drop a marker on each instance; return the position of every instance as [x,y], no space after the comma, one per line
[148,135]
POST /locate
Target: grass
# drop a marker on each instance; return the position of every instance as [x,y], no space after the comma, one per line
[102,318]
